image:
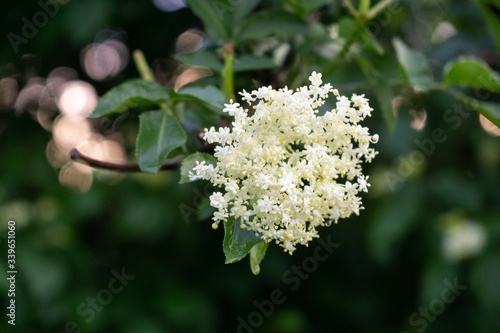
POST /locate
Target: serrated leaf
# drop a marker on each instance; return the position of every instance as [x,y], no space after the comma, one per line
[251,62]
[208,95]
[136,93]
[237,242]
[414,66]
[382,89]
[257,253]
[213,15]
[471,73]
[263,24]
[159,133]
[202,58]
[189,163]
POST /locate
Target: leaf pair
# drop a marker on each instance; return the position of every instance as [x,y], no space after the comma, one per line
[159,129]
[228,20]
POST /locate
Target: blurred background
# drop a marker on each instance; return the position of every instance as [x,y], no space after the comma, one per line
[98,251]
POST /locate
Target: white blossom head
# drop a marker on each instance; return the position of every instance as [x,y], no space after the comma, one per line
[285,170]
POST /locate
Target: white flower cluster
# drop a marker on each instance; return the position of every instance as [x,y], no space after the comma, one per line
[284,169]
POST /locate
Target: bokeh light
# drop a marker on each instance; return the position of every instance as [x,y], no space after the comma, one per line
[189,41]
[68,132]
[463,239]
[104,60]
[488,126]
[29,96]
[419,119]
[77,176]
[169,5]
[442,32]
[8,93]
[78,98]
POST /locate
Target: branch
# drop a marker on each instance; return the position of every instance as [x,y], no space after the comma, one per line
[80,158]
[350,8]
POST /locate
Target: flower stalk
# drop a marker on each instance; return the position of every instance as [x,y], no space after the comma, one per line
[146,74]
[227,71]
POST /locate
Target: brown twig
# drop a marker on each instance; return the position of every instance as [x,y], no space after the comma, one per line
[81,158]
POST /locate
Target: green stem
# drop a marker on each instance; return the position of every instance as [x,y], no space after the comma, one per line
[146,74]
[350,8]
[142,66]
[363,15]
[375,10]
[345,49]
[227,72]
[364,6]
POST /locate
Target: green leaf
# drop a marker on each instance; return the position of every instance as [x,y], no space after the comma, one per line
[243,9]
[159,134]
[251,62]
[491,10]
[488,109]
[237,242]
[304,7]
[213,15]
[414,66]
[202,58]
[471,73]
[257,253]
[136,93]
[209,95]
[382,89]
[190,162]
[263,24]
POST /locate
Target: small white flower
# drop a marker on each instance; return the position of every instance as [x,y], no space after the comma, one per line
[363,184]
[217,200]
[287,181]
[285,170]
[315,79]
